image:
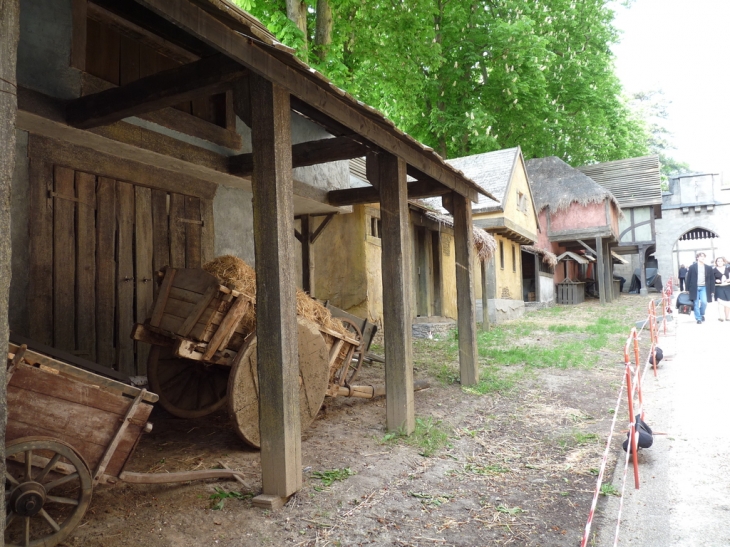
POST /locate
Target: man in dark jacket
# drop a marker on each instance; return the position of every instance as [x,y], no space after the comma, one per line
[701,285]
[682,275]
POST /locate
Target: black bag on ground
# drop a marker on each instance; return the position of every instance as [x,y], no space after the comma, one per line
[659,356]
[646,437]
[684,304]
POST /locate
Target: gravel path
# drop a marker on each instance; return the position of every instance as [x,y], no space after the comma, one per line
[684,499]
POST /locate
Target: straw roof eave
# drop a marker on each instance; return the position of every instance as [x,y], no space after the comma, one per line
[484,244]
[547,257]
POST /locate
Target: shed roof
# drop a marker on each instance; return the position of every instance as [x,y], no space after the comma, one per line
[633,182]
[556,184]
[305,83]
[492,171]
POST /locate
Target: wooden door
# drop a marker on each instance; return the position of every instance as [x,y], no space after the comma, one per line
[95,245]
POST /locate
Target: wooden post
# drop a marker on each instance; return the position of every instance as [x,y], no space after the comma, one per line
[537,277]
[608,271]
[307,256]
[466,322]
[485,298]
[9,32]
[599,274]
[396,268]
[642,270]
[276,319]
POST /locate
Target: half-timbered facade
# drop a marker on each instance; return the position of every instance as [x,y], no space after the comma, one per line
[636,185]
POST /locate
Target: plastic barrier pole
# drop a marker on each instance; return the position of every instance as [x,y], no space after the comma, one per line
[637,365]
[632,427]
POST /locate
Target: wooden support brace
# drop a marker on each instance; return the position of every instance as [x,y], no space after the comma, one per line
[167,88]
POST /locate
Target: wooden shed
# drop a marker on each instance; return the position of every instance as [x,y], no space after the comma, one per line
[154,132]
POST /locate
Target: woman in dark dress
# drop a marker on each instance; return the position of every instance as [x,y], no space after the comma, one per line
[722,288]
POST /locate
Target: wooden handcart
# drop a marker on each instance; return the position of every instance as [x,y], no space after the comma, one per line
[203,357]
[69,429]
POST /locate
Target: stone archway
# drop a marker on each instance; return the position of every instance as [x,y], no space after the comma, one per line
[680,234]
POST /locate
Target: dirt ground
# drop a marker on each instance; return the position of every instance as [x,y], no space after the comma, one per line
[518,469]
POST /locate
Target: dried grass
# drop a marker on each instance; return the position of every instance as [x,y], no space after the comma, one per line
[235,274]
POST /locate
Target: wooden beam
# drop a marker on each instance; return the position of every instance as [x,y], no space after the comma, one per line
[599,274]
[485,297]
[276,321]
[167,88]
[307,256]
[608,270]
[311,90]
[320,228]
[396,272]
[466,321]
[370,194]
[306,153]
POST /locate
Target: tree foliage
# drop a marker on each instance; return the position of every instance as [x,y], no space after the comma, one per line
[470,76]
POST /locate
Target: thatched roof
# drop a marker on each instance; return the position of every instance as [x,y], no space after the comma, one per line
[547,257]
[556,184]
[484,243]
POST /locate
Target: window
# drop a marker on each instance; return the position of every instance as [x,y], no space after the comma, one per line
[501,255]
[376,227]
[521,202]
[514,259]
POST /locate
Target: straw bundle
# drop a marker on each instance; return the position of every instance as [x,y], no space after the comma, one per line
[235,274]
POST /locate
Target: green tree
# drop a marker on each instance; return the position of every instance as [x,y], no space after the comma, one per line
[470,76]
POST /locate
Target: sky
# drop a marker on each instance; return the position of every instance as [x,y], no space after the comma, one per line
[681,47]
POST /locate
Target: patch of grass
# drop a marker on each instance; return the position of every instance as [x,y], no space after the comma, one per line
[578,438]
[429,437]
[493,380]
[585,438]
[332,475]
[564,328]
[431,500]
[218,499]
[608,489]
[486,469]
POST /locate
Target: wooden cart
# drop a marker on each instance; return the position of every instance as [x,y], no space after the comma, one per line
[203,357]
[69,429]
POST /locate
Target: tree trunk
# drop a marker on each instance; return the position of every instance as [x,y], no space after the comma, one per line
[296,10]
[323,34]
[9,30]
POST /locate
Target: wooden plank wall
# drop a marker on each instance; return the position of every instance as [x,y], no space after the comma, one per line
[95,244]
[120,59]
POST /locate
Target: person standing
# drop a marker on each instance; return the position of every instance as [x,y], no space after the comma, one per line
[701,285]
[682,275]
[721,272]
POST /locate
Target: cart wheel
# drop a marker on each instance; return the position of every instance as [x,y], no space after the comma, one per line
[187,388]
[350,368]
[47,491]
[243,384]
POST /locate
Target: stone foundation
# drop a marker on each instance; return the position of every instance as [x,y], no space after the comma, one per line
[438,327]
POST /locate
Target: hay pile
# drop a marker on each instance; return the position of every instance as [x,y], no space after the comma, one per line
[235,274]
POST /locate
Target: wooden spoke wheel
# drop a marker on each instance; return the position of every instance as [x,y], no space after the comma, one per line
[243,384]
[187,388]
[47,491]
[350,368]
